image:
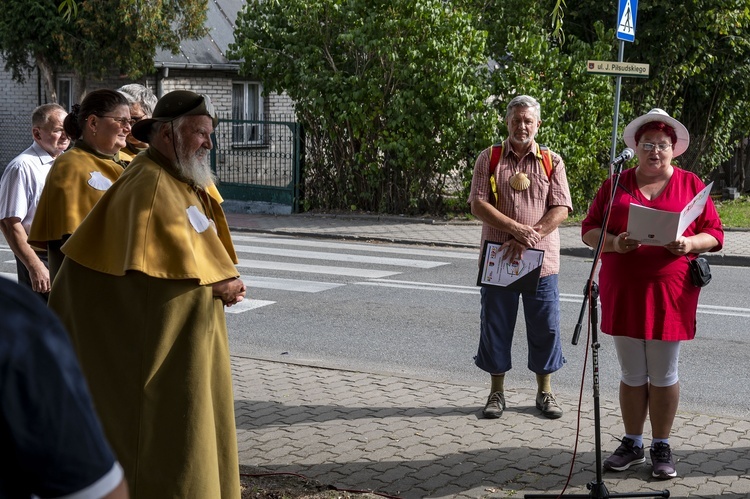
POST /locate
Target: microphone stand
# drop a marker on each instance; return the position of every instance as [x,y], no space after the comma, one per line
[597,487]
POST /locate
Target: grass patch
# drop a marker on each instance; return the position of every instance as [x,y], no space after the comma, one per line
[736,213]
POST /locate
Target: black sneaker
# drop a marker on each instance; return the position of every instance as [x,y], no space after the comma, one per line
[626,455]
[662,462]
[495,406]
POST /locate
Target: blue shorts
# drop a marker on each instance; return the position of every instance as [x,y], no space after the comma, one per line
[498,316]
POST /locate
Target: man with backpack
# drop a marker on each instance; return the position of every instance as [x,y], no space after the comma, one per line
[520,192]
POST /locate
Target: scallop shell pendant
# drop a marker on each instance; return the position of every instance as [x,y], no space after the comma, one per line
[520,181]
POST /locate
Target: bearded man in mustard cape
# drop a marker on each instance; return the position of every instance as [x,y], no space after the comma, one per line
[142,292]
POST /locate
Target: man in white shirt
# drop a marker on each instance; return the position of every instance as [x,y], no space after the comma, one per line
[20,188]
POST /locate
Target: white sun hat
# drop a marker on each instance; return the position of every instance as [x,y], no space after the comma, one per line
[656,114]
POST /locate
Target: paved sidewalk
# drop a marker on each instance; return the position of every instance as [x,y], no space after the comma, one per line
[416,438]
[419,438]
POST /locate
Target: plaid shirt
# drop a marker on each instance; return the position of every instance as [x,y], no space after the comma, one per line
[526,207]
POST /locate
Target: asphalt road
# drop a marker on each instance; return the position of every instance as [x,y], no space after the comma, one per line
[414,311]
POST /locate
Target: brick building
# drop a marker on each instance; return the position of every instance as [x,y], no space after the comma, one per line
[201,66]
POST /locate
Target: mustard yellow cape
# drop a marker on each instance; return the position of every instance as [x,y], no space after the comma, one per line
[152,222]
[126,155]
[155,355]
[78,178]
[150,336]
[213,191]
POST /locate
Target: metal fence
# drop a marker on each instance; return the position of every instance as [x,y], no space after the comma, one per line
[259,160]
[254,160]
[15,137]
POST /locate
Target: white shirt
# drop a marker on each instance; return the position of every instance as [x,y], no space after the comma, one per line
[22,184]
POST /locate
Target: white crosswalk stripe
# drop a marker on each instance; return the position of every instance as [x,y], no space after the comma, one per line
[12,276]
[337,257]
[246,305]
[370,248]
[288,284]
[314,269]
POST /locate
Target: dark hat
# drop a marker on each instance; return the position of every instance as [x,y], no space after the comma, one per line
[174,105]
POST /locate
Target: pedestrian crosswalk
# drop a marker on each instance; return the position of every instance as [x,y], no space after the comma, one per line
[269,262]
[305,265]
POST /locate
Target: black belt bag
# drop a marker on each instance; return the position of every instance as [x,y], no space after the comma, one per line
[700,271]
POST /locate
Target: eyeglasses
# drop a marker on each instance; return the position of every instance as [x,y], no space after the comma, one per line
[659,147]
[123,122]
[135,119]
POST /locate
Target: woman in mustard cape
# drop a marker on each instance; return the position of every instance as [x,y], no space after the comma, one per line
[80,176]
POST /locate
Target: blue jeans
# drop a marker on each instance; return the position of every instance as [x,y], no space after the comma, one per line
[498,316]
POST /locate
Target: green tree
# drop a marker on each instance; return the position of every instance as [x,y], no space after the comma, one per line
[699,68]
[68,9]
[577,108]
[375,83]
[95,38]
[391,93]
[27,31]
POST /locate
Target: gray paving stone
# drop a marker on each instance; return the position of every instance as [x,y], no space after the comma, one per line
[399,447]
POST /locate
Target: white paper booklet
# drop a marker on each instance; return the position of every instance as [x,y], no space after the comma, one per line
[518,275]
[659,227]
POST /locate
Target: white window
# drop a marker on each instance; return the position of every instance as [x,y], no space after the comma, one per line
[247,111]
[65,93]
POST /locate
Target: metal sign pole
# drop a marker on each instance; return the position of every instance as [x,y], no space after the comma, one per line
[615,120]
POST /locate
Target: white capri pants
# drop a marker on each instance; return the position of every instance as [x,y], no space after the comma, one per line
[643,361]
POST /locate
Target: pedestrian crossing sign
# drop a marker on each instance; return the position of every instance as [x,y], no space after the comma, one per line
[626,14]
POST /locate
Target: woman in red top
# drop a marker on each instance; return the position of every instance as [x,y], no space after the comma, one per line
[648,300]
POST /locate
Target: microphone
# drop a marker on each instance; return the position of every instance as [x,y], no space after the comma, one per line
[625,155]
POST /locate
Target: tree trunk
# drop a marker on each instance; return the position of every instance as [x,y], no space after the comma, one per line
[79,92]
[48,75]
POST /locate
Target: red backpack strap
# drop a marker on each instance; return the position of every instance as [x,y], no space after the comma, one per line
[546,160]
[495,155]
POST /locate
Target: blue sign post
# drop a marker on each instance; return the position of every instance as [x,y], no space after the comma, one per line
[626,15]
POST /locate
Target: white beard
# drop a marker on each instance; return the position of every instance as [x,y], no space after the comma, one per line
[195,167]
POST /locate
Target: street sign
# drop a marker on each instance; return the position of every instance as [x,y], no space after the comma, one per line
[617,68]
[626,14]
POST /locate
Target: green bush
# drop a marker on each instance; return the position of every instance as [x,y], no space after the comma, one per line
[391,93]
